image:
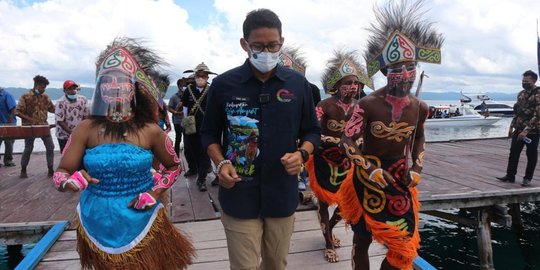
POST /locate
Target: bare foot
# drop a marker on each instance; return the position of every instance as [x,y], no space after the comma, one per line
[330,255]
[335,241]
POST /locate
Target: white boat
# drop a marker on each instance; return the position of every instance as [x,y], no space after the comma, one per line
[458,116]
[483,104]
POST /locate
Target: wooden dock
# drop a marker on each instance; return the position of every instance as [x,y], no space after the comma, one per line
[456,175]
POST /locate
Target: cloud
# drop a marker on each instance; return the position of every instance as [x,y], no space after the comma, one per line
[61,39]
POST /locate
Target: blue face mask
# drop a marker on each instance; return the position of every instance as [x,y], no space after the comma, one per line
[72,97]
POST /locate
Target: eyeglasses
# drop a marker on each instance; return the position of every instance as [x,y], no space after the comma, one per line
[272,47]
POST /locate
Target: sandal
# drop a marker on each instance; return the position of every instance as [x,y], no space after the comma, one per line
[330,255]
[335,241]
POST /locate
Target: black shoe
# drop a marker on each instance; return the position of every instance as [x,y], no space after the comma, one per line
[201,185]
[215,182]
[190,173]
[9,164]
[507,178]
[526,182]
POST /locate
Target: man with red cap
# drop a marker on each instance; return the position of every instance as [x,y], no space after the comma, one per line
[70,110]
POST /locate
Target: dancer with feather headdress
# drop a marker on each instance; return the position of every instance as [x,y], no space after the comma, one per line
[379,198]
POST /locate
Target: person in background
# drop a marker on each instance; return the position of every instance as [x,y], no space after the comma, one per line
[194,104]
[343,78]
[162,82]
[70,110]
[175,108]
[7,117]
[256,115]
[525,129]
[379,197]
[291,57]
[121,222]
[190,158]
[32,109]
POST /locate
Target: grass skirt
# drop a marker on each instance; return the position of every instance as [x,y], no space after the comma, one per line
[164,247]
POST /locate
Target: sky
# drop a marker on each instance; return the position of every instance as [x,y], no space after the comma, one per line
[488,43]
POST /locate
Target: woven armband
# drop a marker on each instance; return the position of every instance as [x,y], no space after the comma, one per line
[61,179]
[144,201]
[221,164]
[167,179]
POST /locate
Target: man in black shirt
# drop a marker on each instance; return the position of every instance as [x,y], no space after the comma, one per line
[261,111]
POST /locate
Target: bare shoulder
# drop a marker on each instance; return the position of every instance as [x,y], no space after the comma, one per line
[83,130]
[325,102]
[371,98]
[84,126]
[423,105]
[153,130]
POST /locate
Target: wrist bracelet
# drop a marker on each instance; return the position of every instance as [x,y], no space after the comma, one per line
[221,164]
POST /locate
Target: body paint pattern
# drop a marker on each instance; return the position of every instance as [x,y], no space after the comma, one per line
[355,124]
[394,131]
[334,125]
[346,107]
[398,104]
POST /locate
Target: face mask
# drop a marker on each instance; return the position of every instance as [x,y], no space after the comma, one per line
[201,82]
[36,92]
[526,86]
[72,97]
[264,61]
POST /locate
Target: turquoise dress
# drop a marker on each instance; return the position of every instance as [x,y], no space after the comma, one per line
[123,171]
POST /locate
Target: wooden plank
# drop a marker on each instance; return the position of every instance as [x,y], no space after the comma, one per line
[60,265]
[32,259]
[202,206]
[181,202]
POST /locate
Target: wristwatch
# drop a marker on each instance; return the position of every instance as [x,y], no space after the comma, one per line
[304,153]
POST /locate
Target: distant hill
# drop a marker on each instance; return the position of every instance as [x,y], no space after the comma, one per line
[56,93]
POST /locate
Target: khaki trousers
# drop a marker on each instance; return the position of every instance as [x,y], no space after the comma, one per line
[250,240]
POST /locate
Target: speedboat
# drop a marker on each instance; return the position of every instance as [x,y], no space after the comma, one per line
[462,115]
[483,104]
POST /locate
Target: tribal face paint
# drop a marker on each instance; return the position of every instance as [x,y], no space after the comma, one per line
[401,78]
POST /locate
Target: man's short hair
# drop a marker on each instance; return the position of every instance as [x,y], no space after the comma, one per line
[530,73]
[41,80]
[260,18]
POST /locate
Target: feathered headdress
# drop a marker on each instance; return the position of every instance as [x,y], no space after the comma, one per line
[292,58]
[161,80]
[399,34]
[128,55]
[343,63]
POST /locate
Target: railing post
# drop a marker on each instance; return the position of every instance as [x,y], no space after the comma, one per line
[483,232]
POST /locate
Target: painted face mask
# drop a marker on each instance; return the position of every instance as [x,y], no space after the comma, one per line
[264,61]
[118,77]
[401,78]
[347,92]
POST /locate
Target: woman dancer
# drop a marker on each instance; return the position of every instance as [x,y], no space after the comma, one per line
[121,223]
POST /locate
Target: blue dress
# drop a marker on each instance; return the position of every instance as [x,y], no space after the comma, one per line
[123,171]
[112,236]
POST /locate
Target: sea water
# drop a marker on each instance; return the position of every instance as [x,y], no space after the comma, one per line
[445,244]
